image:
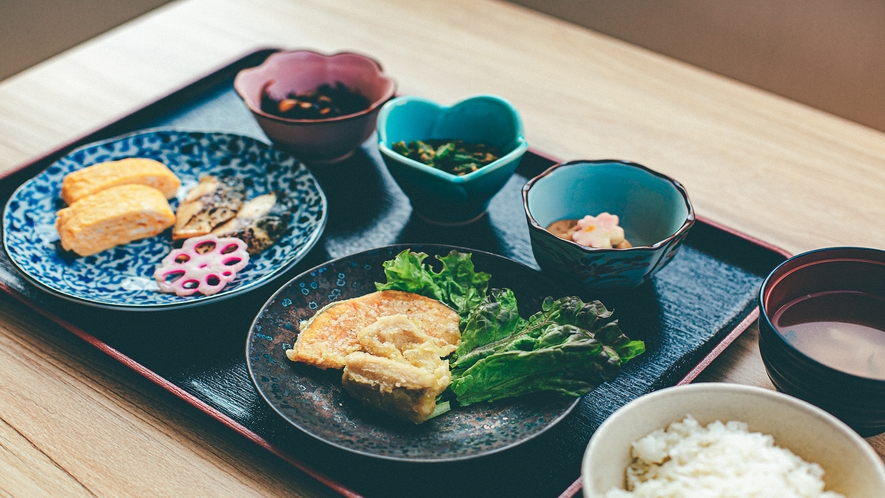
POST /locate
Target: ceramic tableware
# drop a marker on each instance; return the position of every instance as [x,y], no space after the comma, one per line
[850,465]
[316,141]
[654,212]
[313,401]
[822,332]
[437,195]
[122,277]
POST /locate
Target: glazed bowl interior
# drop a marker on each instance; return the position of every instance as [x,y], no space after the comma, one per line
[304,70]
[649,206]
[822,332]
[483,119]
[850,465]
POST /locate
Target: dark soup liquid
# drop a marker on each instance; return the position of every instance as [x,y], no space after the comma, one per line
[843,330]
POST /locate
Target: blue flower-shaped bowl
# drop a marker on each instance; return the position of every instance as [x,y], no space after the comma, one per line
[654,212]
[436,195]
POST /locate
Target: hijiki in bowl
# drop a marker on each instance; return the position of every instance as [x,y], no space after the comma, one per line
[315,139]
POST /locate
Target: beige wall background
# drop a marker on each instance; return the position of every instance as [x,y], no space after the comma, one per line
[34,30]
[829,54]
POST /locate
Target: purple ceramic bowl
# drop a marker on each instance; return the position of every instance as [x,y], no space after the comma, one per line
[822,332]
[316,141]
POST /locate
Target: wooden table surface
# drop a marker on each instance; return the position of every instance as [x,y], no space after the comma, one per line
[74,422]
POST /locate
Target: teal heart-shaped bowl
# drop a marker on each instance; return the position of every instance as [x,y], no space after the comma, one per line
[437,195]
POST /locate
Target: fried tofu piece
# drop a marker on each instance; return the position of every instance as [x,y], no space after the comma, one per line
[134,170]
[332,334]
[399,370]
[404,391]
[113,216]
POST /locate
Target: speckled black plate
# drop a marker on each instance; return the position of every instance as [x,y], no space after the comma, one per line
[314,401]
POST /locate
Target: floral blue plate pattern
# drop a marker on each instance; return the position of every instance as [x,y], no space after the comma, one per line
[313,400]
[122,277]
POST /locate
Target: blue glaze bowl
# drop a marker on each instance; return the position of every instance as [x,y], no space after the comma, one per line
[654,211]
[436,195]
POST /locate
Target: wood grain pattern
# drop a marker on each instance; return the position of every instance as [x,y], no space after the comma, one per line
[73,422]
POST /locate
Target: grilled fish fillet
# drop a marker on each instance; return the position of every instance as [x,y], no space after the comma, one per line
[111,217]
[332,334]
[208,204]
[260,222]
[91,179]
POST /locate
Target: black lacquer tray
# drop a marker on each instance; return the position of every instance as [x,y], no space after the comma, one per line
[686,315]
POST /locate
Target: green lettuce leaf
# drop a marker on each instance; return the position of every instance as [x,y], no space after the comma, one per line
[457,284]
[489,327]
[566,347]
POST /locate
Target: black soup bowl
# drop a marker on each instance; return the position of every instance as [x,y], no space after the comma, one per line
[822,332]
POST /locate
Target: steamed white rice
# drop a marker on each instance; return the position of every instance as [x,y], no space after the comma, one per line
[719,460]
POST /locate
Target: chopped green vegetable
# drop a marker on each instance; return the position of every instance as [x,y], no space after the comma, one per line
[453,156]
[442,407]
[569,346]
[444,151]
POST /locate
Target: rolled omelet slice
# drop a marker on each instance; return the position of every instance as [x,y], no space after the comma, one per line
[113,216]
[134,170]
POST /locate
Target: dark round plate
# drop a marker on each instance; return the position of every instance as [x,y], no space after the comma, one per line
[313,400]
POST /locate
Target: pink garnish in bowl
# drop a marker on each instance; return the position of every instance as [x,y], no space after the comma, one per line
[204,264]
[599,231]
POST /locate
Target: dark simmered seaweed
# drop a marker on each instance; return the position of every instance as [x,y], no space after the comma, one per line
[327,101]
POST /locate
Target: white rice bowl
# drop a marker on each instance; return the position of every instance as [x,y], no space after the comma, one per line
[849,465]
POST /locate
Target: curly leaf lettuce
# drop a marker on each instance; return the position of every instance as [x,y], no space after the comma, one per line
[566,347]
[457,284]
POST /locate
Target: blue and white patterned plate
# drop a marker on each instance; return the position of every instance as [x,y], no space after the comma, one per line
[122,277]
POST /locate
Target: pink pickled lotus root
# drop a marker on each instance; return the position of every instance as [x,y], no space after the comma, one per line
[599,231]
[203,264]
